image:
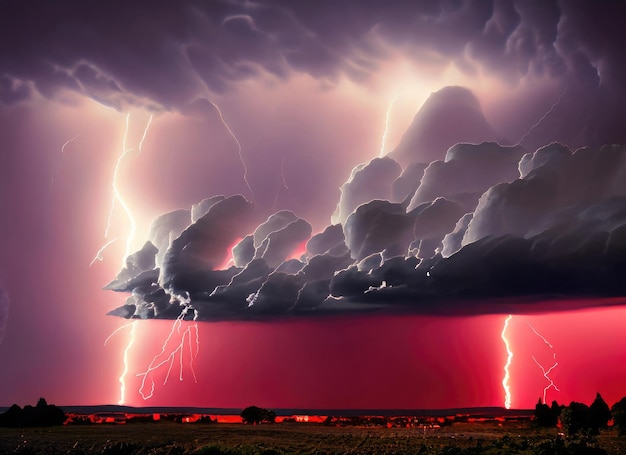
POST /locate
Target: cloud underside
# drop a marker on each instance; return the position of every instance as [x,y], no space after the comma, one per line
[487,229]
[167,55]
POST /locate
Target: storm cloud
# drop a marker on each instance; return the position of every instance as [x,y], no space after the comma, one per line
[549,225]
[112,51]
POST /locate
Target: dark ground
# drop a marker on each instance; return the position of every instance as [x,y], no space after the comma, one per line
[300,438]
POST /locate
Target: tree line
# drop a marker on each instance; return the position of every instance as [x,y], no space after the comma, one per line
[580,418]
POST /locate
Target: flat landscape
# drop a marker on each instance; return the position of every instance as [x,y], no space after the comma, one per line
[166,437]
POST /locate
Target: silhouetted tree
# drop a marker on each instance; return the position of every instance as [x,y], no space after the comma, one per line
[600,413]
[11,417]
[577,418]
[254,415]
[546,416]
[619,416]
[41,415]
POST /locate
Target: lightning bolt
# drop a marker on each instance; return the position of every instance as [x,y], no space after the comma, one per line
[239,154]
[118,199]
[507,365]
[546,373]
[383,141]
[189,338]
[129,344]
[145,133]
[543,117]
[117,195]
[98,256]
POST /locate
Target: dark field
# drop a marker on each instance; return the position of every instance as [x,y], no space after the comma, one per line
[300,438]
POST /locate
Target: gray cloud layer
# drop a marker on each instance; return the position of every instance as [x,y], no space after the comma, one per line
[555,233]
[166,54]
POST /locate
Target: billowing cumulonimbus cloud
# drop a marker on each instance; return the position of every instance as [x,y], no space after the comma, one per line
[555,183]
[167,227]
[111,51]
[367,182]
[467,171]
[556,231]
[203,246]
[449,116]
[4,312]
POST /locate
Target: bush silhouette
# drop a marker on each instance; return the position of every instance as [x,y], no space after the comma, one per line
[619,416]
[255,415]
[42,415]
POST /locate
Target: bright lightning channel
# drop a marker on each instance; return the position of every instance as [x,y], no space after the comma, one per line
[383,142]
[507,365]
[129,344]
[189,338]
[117,198]
[543,117]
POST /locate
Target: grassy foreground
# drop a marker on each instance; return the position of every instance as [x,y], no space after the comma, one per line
[300,438]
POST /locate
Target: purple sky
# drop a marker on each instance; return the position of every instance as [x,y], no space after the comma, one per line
[151,107]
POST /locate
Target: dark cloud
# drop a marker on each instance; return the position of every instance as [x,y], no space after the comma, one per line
[321,243]
[203,246]
[140,267]
[165,53]
[556,232]
[166,228]
[379,226]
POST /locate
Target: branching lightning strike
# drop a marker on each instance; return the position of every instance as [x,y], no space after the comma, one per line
[546,373]
[507,365]
[189,338]
[383,142]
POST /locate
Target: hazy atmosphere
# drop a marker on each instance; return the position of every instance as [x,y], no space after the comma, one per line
[313,204]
